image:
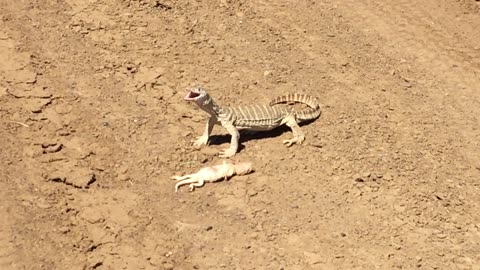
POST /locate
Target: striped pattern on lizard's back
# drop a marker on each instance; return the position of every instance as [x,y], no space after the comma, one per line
[257,116]
[303,115]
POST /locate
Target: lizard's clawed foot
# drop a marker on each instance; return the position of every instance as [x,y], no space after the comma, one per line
[226,153]
[202,140]
[290,142]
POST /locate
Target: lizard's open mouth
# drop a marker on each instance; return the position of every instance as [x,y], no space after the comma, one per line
[192,95]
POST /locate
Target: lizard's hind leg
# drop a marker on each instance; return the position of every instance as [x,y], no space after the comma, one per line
[191,181]
[199,183]
[298,136]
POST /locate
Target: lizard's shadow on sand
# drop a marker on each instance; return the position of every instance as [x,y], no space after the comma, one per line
[246,136]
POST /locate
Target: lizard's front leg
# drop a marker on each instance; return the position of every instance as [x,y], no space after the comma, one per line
[232,150]
[203,140]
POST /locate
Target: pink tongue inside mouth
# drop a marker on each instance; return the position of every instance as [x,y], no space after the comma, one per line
[191,95]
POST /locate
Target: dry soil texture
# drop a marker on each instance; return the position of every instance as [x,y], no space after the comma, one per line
[93,125]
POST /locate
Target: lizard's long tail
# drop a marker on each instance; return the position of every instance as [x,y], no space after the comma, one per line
[304,115]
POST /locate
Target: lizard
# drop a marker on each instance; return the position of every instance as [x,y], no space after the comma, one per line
[212,174]
[256,117]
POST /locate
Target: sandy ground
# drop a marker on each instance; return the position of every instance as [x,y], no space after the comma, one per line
[93,125]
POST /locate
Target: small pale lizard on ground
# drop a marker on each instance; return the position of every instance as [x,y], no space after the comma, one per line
[257,117]
[213,174]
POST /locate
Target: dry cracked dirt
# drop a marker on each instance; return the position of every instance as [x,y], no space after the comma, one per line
[93,125]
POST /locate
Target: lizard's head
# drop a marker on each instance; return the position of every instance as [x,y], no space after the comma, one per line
[196,94]
[202,99]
